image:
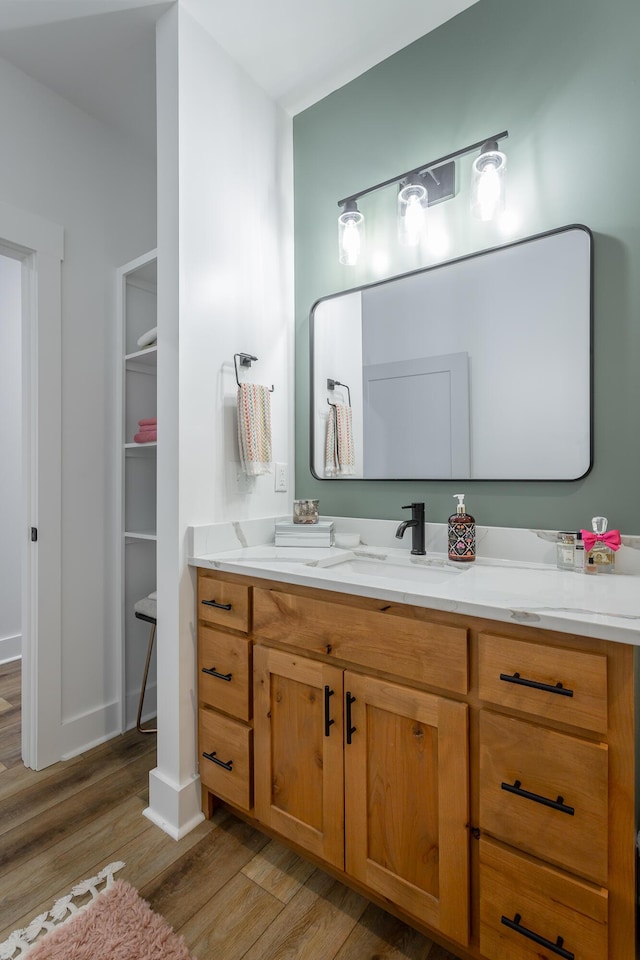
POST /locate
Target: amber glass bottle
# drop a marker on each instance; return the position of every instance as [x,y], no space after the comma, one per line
[462,533]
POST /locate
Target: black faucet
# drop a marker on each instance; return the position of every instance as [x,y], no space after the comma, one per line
[417,528]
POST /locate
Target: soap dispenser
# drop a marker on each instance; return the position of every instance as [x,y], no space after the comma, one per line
[462,533]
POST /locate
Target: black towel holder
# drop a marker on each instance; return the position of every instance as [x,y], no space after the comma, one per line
[332,384]
[246,360]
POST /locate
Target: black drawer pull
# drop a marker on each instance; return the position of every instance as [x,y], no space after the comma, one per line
[214,673]
[556,947]
[328,722]
[350,729]
[212,756]
[219,606]
[558,804]
[548,687]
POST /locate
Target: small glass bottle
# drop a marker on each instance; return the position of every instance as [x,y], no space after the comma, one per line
[462,533]
[579,553]
[603,556]
[565,548]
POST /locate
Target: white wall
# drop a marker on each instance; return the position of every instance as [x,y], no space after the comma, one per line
[225,230]
[11,459]
[62,165]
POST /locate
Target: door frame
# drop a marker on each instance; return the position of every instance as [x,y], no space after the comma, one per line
[39,245]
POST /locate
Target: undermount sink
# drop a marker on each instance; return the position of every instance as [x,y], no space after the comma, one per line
[387,569]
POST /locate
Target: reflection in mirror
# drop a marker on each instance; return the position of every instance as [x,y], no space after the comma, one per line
[479,368]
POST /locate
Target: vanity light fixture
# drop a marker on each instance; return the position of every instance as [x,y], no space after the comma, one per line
[350,233]
[413,200]
[488,182]
[423,187]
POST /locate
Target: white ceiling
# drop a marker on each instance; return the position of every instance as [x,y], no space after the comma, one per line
[99,54]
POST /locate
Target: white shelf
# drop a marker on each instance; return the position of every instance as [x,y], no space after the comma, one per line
[146,359]
[137,372]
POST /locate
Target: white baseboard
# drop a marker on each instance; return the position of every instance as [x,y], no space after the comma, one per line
[10,648]
[91,729]
[174,808]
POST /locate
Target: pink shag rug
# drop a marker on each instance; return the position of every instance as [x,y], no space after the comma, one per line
[117,924]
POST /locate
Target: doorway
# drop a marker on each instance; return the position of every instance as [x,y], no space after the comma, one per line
[31,248]
[11,509]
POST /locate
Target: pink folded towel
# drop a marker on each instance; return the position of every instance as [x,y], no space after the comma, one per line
[149,422]
[149,429]
[147,437]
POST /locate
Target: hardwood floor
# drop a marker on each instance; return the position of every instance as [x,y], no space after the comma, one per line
[230,891]
[10,705]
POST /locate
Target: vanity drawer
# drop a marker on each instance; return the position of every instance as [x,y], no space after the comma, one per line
[413,649]
[544,903]
[229,745]
[223,603]
[569,686]
[224,671]
[545,792]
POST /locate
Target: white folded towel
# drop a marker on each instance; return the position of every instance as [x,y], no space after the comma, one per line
[254,428]
[148,338]
[339,454]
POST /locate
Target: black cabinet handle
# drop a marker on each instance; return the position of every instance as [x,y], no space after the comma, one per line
[548,687]
[556,947]
[350,729]
[214,673]
[212,756]
[219,606]
[328,722]
[558,804]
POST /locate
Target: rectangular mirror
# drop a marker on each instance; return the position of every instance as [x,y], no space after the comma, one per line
[479,368]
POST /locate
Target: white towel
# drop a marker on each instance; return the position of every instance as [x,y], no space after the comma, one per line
[148,338]
[254,428]
[339,454]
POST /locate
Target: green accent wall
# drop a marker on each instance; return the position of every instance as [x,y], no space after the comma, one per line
[563,77]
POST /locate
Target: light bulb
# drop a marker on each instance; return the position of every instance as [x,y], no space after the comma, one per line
[350,234]
[412,209]
[488,183]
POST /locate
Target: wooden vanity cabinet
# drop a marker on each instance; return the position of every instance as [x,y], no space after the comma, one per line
[225,703]
[478,778]
[298,734]
[371,776]
[407,800]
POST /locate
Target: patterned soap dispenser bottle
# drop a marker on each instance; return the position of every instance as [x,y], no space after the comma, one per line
[462,533]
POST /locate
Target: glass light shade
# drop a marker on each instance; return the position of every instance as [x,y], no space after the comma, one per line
[488,184]
[412,213]
[350,234]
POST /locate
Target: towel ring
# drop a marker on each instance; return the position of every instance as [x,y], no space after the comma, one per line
[332,384]
[245,361]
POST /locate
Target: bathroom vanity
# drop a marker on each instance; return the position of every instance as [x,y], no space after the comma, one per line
[473,774]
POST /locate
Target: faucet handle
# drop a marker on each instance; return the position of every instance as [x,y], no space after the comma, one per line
[411,506]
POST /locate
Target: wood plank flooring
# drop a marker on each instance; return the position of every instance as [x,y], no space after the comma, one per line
[10,705]
[232,893]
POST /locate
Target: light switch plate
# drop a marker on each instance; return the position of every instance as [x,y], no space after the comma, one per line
[282,477]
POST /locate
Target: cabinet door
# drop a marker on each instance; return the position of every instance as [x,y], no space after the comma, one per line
[299,776]
[407,800]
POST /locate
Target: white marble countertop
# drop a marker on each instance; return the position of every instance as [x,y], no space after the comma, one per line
[512,591]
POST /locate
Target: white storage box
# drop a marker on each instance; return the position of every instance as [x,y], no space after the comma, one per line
[290,534]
